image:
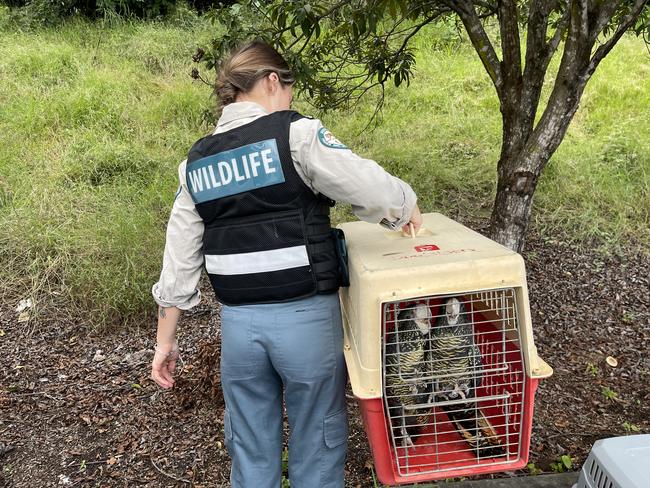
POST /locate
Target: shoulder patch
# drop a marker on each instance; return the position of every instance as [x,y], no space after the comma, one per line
[327,139]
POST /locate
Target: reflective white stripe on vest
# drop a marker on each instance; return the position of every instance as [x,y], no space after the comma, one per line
[257,262]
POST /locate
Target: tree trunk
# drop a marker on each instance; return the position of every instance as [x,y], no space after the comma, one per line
[522,162]
[520,165]
[513,203]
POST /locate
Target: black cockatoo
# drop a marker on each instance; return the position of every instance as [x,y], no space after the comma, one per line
[406,365]
[456,361]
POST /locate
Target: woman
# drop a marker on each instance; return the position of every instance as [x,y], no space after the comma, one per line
[253,209]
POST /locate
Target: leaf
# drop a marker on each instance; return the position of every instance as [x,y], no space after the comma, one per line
[300,15]
[380,71]
[372,23]
[24,304]
[566,460]
[403,7]
[392,8]
[306,26]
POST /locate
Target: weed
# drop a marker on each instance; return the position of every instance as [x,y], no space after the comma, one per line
[285,468]
[532,256]
[533,470]
[608,393]
[563,463]
[629,427]
[628,317]
[375,482]
[88,201]
[592,369]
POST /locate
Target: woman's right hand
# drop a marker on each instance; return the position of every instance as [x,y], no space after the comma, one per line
[164,364]
[415,220]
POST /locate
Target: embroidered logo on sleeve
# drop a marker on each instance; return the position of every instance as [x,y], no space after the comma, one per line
[327,139]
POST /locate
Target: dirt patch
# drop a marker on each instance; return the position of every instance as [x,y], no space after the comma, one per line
[73,416]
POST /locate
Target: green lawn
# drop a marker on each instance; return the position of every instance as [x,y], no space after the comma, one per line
[94,120]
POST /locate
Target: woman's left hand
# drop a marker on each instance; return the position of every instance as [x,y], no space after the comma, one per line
[164,364]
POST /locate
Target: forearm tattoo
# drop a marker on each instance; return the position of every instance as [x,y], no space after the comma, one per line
[162,312]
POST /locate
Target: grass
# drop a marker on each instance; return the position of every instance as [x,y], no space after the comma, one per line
[93,123]
[95,117]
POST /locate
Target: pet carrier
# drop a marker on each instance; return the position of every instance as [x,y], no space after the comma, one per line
[439,349]
[617,462]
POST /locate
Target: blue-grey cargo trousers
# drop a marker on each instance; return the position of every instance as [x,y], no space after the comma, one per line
[296,346]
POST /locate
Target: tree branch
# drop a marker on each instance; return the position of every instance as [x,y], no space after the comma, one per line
[623,26]
[577,47]
[564,99]
[480,40]
[603,15]
[510,42]
[561,28]
[539,53]
[416,29]
[324,15]
[535,66]
[513,113]
[489,9]
[486,5]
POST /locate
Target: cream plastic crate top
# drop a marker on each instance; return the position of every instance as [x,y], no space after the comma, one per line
[444,258]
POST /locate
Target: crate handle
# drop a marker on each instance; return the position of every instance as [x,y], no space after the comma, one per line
[460,401]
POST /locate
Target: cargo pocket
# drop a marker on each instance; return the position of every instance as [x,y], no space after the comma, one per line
[335,433]
[336,429]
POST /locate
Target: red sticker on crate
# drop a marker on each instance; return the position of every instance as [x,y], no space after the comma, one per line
[427,247]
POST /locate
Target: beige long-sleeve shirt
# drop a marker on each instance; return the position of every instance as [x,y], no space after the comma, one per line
[324,164]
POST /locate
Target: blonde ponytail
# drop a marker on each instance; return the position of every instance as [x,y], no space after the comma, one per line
[245,66]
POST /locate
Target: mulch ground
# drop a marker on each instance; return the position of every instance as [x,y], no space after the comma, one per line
[78,408]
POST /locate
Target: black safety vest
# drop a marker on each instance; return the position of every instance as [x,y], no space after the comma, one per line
[267,235]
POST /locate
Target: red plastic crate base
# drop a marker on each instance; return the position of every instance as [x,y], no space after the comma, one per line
[450,459]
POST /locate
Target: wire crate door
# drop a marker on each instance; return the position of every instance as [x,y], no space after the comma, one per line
[454,381]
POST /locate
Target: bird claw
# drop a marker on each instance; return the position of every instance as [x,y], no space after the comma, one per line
[407,442]
[431,397]
[406,439]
